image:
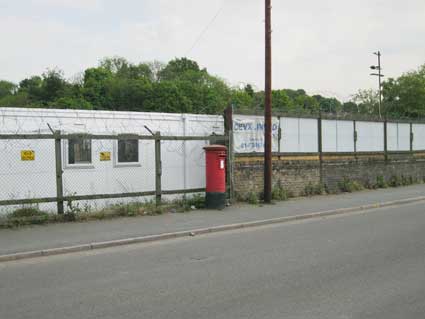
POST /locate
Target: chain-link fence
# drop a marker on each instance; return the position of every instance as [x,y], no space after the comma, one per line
[58,171]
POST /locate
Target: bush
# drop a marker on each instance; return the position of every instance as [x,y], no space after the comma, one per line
[380,182]
[252,198]
[318,189]
[349,186]
[370,185]
[279,193]
[26,216]
[309,190]
[406,180]
[395,181]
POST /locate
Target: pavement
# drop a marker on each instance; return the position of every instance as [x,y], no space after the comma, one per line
[351,266]
[71,234]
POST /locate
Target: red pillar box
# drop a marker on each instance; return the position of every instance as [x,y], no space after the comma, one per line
[216,176]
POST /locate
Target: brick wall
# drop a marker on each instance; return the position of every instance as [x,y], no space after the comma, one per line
[294,173]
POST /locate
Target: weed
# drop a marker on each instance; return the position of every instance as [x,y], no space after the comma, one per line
[349,186]
[380,182]
[309,190]
[25,216]
[252,198]
[280,194]
[395,181]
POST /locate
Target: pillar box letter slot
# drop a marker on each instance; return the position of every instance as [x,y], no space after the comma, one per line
[215,156]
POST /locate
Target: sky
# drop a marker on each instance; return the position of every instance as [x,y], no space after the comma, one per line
[324,47]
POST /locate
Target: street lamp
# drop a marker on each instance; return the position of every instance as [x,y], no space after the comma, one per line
[380,76]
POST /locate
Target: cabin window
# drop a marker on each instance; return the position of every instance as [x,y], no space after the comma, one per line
[79,151]
[128,151]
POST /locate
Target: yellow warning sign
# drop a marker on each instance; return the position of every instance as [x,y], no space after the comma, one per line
[105,156]
[27,155]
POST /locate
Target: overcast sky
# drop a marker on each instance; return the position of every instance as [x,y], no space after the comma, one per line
[322,46]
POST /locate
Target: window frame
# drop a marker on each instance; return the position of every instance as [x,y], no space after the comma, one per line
[84,165]
[127,164]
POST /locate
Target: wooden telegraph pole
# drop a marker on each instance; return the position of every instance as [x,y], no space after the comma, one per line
[268,109]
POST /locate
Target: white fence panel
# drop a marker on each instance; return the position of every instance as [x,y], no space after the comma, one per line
[290,133]
[337,136]
[403,137]
[248,134]
[329,137]
[392,136]
[418,137]
[370,136]
[345,136]
[308,136]
[298,135]
[398,136]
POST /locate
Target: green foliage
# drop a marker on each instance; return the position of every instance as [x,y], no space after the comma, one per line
[252,198]
[405,96]
[279,193]
[188,203]
[380,182]
[27,212]
[7,88]
[25,216]
[395,181]
[349,186]
[318,189]
[182,85]
[367,101]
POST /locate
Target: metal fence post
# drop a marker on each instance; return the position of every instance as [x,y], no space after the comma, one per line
[59,172]
[158,168]
[385,141]
[411,136]
[320,147]
[355,138]
[228,126]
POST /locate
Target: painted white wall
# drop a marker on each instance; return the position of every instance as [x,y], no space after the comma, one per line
[183,162]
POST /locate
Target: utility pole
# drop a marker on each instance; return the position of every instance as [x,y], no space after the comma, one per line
[380,76]
[268,108]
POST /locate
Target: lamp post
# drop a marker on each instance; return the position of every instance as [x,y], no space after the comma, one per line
[380,76]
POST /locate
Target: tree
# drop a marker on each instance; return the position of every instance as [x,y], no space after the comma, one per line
[177,68]
[7,88]
[94,86]
[405,96]
[328,105]
[53,85]
[367,101]
[127,94]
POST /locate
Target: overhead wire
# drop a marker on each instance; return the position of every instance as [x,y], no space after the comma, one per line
[204,31]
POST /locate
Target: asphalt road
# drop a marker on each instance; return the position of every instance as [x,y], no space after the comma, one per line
[364,265]
[69,234]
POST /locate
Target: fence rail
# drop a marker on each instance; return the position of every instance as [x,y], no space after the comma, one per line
[58,137]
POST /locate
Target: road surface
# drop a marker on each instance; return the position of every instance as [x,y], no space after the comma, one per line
[361,265]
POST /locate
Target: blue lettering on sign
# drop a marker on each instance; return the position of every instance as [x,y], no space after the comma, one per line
[253,126]
[243,127]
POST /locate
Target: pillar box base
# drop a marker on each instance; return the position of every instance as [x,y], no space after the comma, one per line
[215,200]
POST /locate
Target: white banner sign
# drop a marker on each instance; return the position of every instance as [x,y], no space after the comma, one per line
[248,134]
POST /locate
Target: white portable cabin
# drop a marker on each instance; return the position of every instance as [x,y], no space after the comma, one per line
[86,166]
